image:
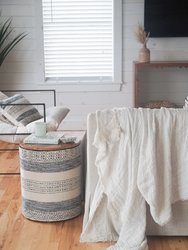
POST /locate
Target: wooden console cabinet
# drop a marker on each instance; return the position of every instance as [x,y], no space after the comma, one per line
[138,67]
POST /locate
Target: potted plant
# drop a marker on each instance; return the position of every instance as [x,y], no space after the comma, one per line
[6,43]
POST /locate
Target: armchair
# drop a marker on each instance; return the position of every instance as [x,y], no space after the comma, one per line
[15,126]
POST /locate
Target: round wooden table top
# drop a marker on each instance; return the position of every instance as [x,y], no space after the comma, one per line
[49,147]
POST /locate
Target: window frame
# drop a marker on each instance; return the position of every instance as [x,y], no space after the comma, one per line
[86,85]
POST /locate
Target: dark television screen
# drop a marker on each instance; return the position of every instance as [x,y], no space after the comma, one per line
[166,18]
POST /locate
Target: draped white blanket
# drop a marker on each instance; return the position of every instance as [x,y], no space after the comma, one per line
[141,157]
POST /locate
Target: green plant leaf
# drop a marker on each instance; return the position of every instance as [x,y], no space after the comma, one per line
[6,50]
[5,31]
[5,45]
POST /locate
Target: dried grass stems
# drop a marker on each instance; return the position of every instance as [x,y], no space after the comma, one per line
[141,35]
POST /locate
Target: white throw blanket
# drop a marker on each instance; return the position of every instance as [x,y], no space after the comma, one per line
[141,156]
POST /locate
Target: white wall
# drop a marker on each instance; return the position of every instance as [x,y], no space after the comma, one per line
[20,68]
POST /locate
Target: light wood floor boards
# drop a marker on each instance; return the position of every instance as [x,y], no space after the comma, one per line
[19,233]
[9,160]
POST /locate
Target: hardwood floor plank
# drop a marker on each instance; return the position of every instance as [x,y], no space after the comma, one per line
[9,162]
[19,233]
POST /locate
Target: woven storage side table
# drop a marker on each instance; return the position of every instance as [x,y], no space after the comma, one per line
[50,181]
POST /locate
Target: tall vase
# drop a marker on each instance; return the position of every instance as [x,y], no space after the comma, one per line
[144,54]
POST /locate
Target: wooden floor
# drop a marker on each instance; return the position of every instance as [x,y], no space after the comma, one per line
[19,233]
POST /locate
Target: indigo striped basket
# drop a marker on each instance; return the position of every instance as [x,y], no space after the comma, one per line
[50,181]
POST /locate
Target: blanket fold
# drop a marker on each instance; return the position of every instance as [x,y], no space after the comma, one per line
[141,157]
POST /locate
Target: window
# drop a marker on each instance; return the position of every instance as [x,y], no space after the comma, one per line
[82,41]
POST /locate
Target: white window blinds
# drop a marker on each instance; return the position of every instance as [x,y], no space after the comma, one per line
[78,39]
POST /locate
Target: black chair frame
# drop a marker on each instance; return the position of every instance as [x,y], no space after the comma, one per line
[36,103]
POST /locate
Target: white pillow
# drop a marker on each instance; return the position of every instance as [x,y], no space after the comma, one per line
[54,116]
[19,115]
[12,129]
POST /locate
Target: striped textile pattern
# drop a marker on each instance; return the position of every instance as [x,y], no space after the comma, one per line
[19,115]
[50,183]
[2,117]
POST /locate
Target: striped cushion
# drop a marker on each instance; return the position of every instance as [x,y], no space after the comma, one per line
[2,118]
[19,115]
